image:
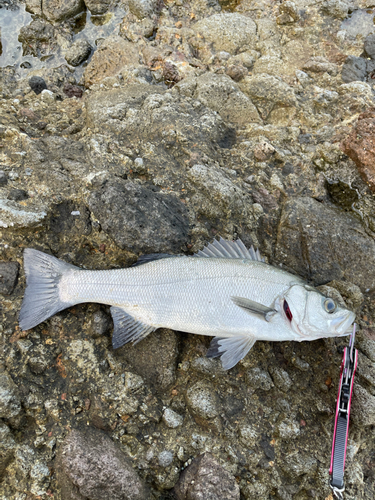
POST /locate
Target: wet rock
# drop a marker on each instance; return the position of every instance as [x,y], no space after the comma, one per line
[72,90]
[206,478]
[359,145]
[98,6]
[228,31]
[37,84]
[259,379]
[354,69]
[34,7]
[8,276]
[92,466]
[60,10]
[140,218]
[10,403]
[154,358]
[7,448]
[202,400]
[109,59]
[306,237]
[369,45]
[143,8]
[172,419]
[3,178]
[78,52]
[362,411]
[281,378]
[38,39]
[219,93]
[17,195]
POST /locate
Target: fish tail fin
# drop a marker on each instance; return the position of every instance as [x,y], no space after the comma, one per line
[231,349]
[42,294]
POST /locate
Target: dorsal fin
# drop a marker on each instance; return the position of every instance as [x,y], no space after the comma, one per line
[144,259]
[226,249]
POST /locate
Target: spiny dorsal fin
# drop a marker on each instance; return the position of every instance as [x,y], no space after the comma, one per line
[127,329]
[231,349]
[226,249]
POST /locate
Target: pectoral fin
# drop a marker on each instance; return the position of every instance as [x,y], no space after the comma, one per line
[231,349]
[253,307]
[127,329]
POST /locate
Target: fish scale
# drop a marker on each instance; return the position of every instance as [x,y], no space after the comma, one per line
[225,291]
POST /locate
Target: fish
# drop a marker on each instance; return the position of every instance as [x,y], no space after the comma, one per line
[225,291]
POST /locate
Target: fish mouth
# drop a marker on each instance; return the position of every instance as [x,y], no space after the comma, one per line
[342,324]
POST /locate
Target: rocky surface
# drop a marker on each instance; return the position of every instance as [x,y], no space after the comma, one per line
[136,127]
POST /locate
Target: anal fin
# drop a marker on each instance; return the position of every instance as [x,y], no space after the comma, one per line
[127,329]
[231,349]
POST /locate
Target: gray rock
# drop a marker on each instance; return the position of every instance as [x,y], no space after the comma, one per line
[17,195]
[91,466]
[336,8]
[38,38]
[280,378]
[60,10]
[8,276]
[354,69]
[289,429]
[221,94]
[143,8]
[306,238]
[202,400]
[7,448]
[369,45]
[10,402]
[78,52]
[165,458]
[268,88]
[154,359]
[228,31]
[259,379]
[34,7]
[98,6]
[140,217]
[3,178]
[362,411]
[297,463]
[206,479]
[37,84]
[100,324]
[172,419]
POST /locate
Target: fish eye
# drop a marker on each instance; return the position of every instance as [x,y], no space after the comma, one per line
[329,306]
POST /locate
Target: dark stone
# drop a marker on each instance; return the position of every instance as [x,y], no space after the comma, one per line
[206,479]
[7,448]
[268,449]
[72,90]
[3,178]
[38,39]
[322,243]
[92,467]
[369,45]
[154,359]
[342,194]
[8,276]
[304,138]
[41,125]
[236,72]
[354,69]
[17,195]
[140,218]
[79,51]
[37,84]
[70,218]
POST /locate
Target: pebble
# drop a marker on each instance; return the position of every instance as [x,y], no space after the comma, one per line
[17,195]
[354,69]
[48,96]
[202,400]
[172,419]
[37,84]
[8,277]
[280,378]
[78,52]
[259,379]
[3,178]
[10,403]
[165,458]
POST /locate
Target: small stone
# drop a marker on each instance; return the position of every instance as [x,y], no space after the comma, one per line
[236,72]
[98,6]
[202,400]
[143,8]
[10,403]
[38,364]
[17,195]
[48,96]
[59,10]
[263,151]
[7,447]
[8,276]
[100,324]
[354,69]
[78,52]
[3,178]
[320,64]
[289,429]
[172,419]
[280,378]
[297,463]
[249,435]
[72,90]
[259,379]
[37,84]
[205,478]
[165,458]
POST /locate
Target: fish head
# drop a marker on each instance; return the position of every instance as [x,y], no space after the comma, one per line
[312,314]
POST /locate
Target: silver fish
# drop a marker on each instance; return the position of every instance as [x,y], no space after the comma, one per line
[226,291]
